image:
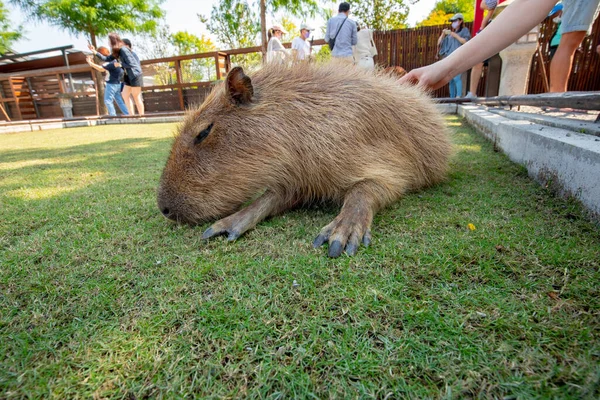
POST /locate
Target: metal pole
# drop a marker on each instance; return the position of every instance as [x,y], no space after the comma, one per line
[66,59]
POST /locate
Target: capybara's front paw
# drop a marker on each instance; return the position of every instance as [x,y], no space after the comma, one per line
[344,234]
[225,226]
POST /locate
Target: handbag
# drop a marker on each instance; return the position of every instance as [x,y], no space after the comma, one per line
[331,42]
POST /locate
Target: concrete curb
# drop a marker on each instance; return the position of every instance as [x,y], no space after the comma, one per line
[567,161]
[574,125]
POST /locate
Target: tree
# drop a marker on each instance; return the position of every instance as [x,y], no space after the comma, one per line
[8,35]
[445,9]
[95,18]
[381,14]
[290,27]
[299,8]
[233,22]
[194,70]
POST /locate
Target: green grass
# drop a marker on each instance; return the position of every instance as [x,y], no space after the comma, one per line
[101,297]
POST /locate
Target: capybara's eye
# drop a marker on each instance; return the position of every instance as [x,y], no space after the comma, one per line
[203,134]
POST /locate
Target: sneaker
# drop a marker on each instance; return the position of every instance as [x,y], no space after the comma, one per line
[470,96]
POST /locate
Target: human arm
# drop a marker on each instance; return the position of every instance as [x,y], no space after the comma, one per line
[326,38]
[354,37]
[443,34]
[93,65]
[487,18]
[515,21]
[463,36]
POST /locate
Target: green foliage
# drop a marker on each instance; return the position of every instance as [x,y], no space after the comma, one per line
[234,23]
[194,70]
[380,14]
[8,34]
[445,9]
[102,298]
[323,55]
[187,43]
[290,27]
[299,8]
[95,17]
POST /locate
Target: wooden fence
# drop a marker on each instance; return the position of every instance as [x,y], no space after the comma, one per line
[412,48]
[169,86]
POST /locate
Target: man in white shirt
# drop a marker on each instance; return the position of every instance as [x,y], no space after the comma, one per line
[301,45]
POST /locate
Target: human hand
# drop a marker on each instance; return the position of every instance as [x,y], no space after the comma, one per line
[447,31]
[88,59]
[433,76]
[118,64]
[92,48]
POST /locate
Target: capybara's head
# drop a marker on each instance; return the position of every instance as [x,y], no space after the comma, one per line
[205,155]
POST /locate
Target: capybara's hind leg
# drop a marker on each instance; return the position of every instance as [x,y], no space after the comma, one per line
[236,224]
[353,224]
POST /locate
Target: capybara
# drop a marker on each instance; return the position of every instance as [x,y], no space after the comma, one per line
[287,136]
[397,71]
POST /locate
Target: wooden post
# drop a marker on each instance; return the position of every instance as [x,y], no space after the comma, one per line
[97,92]
[543,67]
[35,107]
[4,112]
[179,84]
[217,66]
[12,89]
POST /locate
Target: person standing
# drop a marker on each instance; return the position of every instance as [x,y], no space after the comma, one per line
[301,45]
[132,88]
[490,7]
[343,32]
[133,71]
[576,20]
[276,53]
[365,49]
[451,40]
[112,91]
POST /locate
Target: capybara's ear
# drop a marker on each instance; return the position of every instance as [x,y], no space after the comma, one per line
[239,86]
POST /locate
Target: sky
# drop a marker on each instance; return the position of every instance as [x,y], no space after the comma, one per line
[181,15]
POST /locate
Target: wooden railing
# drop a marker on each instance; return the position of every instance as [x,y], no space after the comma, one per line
[173,84]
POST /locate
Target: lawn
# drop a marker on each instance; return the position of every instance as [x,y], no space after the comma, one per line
[101,297]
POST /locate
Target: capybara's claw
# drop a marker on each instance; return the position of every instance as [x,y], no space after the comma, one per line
[367,238]
[208,233]
[212,232]
[335,249]
[352,245]
[320,240]
[343,235]
[233,235]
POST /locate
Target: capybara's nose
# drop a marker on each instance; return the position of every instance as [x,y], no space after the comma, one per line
[166,212]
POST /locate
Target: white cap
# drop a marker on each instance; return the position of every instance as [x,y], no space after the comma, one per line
[278,28]
[307,27]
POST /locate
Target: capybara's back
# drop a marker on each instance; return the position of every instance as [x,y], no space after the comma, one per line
[306,133]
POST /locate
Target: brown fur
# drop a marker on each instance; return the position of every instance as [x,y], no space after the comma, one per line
[396,71]
[296,135]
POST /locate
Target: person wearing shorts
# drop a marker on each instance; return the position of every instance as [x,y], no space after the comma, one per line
[132,85]
[577,19]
